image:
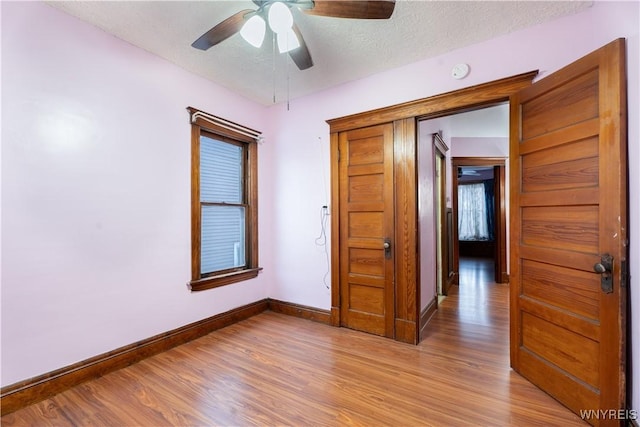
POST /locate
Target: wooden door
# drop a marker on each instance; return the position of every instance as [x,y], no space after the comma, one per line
[568,195]
[366,230]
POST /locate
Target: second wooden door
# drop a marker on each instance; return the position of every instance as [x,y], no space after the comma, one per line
[367,230]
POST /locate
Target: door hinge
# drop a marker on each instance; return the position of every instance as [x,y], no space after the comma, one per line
[624,273]
[338,156]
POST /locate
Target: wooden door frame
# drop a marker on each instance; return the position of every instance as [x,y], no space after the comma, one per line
[440,149]
[405,117]
[500,249]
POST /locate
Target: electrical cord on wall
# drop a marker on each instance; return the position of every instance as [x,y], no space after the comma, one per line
[321,240]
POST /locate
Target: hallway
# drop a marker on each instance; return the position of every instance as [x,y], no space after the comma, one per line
[471,331]
[480,300]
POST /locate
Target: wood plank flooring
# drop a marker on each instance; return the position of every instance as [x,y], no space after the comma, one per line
[273,369]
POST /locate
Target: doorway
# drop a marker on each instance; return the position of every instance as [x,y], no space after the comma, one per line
[414,298]
[479,193]
[476,203]
[478,140]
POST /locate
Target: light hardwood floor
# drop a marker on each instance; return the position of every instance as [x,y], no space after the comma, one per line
[278,370]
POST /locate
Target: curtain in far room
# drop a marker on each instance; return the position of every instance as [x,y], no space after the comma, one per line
[475,207]
[489,198]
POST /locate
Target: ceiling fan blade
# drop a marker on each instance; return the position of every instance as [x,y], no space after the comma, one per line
[222,31]
[359,9]
[301,55]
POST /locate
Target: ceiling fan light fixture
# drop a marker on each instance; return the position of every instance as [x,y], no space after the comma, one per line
[279,14]
[287,41]
[280,18]
[253,31]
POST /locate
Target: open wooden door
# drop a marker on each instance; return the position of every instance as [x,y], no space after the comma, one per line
[569,234]
[367,229]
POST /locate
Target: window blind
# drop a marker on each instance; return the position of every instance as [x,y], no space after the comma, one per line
[223,215]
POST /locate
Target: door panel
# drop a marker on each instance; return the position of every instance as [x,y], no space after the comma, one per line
[571,228]
[568,166]
[580,166]
[366,223]
[562,287]
[573,102]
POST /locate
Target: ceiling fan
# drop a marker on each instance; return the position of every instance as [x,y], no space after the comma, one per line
[276,15]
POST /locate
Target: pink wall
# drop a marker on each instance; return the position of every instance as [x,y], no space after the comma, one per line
[300,182]
[102,204]
[426,212]
[96,193]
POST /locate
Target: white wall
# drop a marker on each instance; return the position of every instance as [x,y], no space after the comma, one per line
[479,147]
[96,193]
[102,274]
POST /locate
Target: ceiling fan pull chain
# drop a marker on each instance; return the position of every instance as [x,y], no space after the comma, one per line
[288,76]
[273,45]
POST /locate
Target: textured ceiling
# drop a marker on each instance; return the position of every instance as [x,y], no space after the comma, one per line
[342,49]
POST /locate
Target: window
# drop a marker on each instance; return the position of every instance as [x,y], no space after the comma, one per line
[224,196]
[472,212]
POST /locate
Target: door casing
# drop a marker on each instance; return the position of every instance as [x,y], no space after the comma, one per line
[443,279]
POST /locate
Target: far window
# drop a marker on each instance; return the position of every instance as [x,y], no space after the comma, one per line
[224,202]
[473,221]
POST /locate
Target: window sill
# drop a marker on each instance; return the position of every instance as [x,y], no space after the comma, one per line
[223,279]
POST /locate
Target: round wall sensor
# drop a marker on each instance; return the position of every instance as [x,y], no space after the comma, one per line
[460,71]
